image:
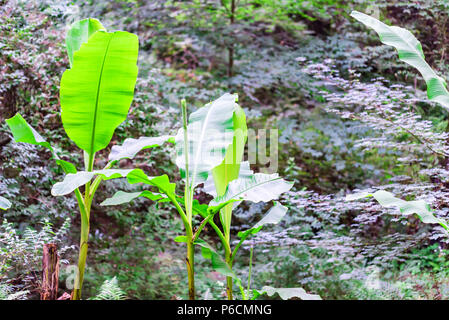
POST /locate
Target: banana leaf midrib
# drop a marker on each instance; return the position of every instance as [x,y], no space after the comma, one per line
[419,53]
[200,145]
[94,124]
[150,181]
[251,187]
[423,66]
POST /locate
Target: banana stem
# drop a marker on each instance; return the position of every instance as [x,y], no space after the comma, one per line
[188,196]
[84,206]
[76,294]
[190,268]
[229,280]
[85,213]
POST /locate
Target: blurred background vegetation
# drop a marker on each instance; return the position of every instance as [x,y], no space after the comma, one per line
[304,67]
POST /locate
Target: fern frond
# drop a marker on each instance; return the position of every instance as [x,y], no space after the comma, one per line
[110,290]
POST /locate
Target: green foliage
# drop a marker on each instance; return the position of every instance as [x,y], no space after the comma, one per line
[101,82]
[79,33]
[7,293]
[209,133]
[209,144]
[90,101]
[323,243]
[21,253]
[256,188]
[23,132]
[110,290]
[229,169]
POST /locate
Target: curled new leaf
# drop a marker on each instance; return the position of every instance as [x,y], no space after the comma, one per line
[229,169]
[79,33]
[210,132]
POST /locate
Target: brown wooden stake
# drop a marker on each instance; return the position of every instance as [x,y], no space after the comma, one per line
[50,272]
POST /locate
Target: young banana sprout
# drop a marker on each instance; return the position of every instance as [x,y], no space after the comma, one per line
[95,94]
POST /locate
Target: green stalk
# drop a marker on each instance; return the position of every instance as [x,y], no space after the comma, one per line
[229,280]
[76,295]
[227,247]
[85,206]
[188,196]
[85,213]
[187,191]
[226,214]
[190,267]
[249,271]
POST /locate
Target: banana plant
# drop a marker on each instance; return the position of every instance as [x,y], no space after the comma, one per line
[222,175]
[95,95]
[209,150]
[201,145]
[4,203]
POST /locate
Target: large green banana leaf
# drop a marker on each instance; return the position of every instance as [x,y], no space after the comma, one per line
[79,33]
[229,169]
[410,51]
[210,132]
[97,91]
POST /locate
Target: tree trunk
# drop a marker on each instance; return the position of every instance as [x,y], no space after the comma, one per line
[50,272]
